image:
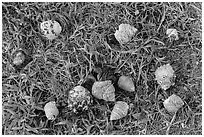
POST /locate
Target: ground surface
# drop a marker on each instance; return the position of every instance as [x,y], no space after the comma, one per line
[86,44]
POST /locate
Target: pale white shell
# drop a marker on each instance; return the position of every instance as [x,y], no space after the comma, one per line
[104,90]
[165,76]
[126,83]
[19,58]
[51,110]
[119,111]
[173,103]
[50,29]
[125,33]
[172,32]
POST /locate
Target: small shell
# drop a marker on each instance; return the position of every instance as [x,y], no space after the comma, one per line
[173,103]
[119,111]
[165,76]
[172,32]
[79,99]
[104,90]
[126,83]
[51,110]
[19,58]
[125,33]
[50,29]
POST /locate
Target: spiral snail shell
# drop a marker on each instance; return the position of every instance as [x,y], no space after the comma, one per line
[51,110]
[104,90]
[125,33]
[173,103]
[50,29]
[119,111]
[126,83]
[165,76]
[79,99]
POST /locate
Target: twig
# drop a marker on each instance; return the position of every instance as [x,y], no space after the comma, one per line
[162,20]
[169,126]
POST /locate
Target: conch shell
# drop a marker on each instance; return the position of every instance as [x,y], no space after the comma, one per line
[173,103]
[104,90]
[51,110]
[119,111]
[165,76]
[125,33]
[126,83]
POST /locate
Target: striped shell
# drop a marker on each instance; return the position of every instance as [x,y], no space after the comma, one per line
[165,76]
[125,33]
[126,83]
[173,103]
[79,99]
[119,111]
[104,90]
[50,29]
[51,110]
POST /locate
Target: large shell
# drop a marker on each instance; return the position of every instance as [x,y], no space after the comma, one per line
[126,83]
[51,110]
[172,32]
[50,29]
[125,33]
[165,76]
[79,99]
[173,103]
[104,90]
[119,111]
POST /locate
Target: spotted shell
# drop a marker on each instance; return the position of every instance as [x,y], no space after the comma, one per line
[50,29]
[104,90]
[79,99]
[172,32]
[125,33]
[119,111]
[165,76]
[19,58]
[126,83]
[51,110]
[173,103]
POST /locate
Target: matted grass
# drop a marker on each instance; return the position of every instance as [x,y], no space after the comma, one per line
[86,44]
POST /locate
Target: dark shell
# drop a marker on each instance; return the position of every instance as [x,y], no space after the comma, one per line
[21,59]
